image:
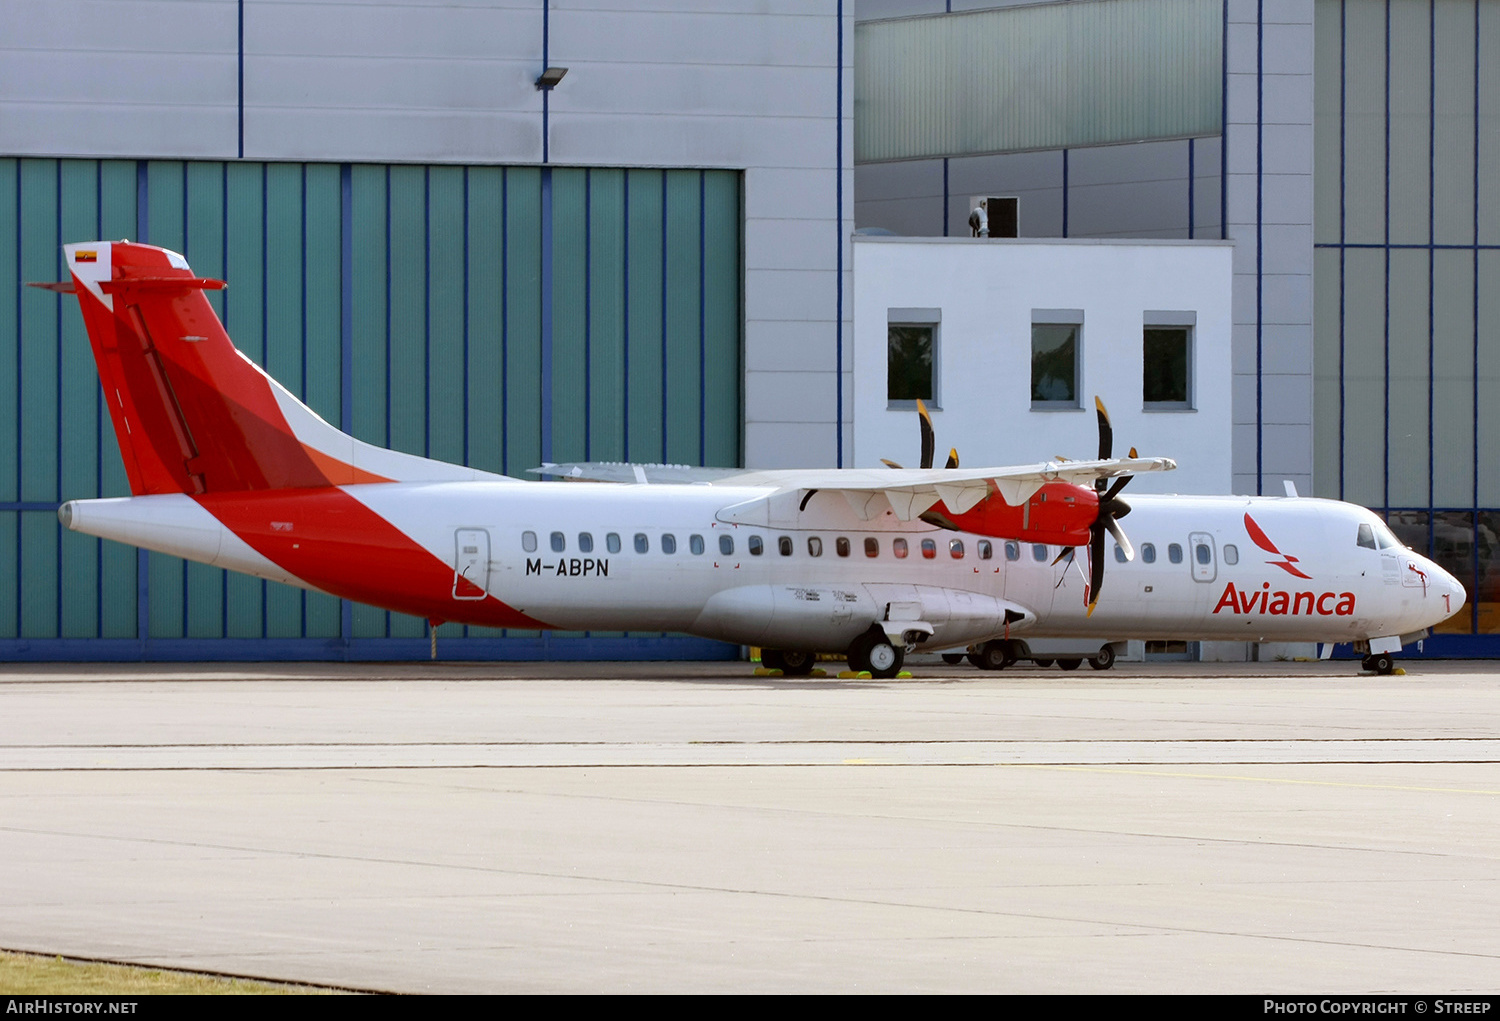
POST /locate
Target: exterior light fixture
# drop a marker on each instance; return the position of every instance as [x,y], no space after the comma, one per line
[550,78]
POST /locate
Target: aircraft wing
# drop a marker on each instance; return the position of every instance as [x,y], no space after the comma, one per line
[910,491]
[623,471]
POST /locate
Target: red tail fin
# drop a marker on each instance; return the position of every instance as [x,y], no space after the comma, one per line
[193,414]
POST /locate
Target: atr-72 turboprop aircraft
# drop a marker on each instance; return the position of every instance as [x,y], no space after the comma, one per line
[229,469]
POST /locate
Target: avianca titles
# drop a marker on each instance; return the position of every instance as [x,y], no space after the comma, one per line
[227,468]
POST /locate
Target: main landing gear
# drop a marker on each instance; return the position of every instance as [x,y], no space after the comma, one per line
[1379,663]
[791,662]
[874,651]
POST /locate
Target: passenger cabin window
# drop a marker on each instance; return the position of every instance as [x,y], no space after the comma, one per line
[1231,555]
[986,551]
[1174,553]
[668,543]
[1012,551]
[1367,537]
[1148,553]
[528,541]
[695,544]
[726,544]
[814,546]
[784,545]
[1203,553]
[929,549]
[757,546]
[612,542]
[841,546]
[642,544]
[1119,554]
[956,549]
[898,549]
[872,547]
[1039,553]
[585,542]
[559,542]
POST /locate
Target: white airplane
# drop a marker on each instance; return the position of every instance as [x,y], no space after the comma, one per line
[228,468]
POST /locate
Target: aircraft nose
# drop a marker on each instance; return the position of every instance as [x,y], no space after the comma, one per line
[1456,595]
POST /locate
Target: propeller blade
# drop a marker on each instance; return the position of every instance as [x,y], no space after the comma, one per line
[1114,490]
[1106,431]
[889,463]
[929,436]
[1096,565]
[952,458]
[1066,554]
[1119,534]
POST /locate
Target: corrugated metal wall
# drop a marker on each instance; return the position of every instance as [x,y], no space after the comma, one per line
[491,316]
[1408,269]
[1048,76]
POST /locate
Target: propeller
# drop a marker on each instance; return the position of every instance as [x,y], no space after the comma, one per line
[929,442]
[1111,509]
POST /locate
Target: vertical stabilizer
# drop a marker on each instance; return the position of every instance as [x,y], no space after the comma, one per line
[194,415]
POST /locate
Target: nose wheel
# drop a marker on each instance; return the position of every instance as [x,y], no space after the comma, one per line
[1380,663]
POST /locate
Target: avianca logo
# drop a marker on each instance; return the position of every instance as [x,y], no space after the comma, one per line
[1277,604]
[1264,542]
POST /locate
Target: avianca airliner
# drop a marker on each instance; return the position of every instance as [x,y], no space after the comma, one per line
[227,468]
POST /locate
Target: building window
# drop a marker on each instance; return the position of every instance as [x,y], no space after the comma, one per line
[1056,336]
[1167,364]
[911,354]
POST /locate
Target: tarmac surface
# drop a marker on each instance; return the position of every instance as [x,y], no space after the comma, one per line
[668,827]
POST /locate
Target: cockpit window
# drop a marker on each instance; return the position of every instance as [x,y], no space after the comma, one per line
[1366,537]
[1385,538]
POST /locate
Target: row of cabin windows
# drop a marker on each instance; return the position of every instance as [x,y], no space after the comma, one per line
[1202,553]
[756,545]
[900,547]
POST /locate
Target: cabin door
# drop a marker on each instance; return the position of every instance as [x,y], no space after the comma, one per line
[471,565]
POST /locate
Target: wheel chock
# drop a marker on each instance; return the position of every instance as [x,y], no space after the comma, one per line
[761,671]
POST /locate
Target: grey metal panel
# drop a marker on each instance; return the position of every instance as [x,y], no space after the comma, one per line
[1039,77]
[1328,404]
[1410,99]
[127,77]
[1364,377]
[1408,470]
[690,37]
[1453,408]
[1364,124]
[1453,141]
[1488,358]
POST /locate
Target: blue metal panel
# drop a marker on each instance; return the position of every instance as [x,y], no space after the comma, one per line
[340,281]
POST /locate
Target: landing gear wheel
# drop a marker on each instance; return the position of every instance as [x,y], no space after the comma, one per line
[1070,664]
[1380,663]
[796,663]
[991,656]
[771,660]
[874,652]
[953,658]
[1042,662]
[1105,659]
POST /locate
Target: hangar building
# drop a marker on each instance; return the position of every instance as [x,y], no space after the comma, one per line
[443,250]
